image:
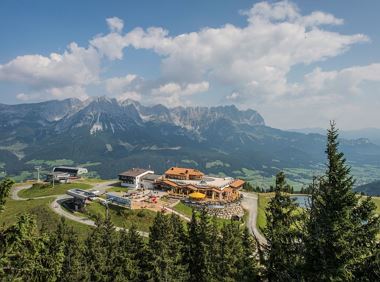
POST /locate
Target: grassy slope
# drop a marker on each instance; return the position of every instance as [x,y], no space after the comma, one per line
[49,191]
[40,209]
[121,217]
[262,204]
[377,202]
[183,209]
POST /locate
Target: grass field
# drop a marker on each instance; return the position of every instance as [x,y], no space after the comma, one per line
[39,208]
[262,204]
[183,209]
[117,189]
[377,202]
[58,189]
[122,217]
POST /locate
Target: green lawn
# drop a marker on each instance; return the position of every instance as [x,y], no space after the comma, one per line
[377,202]
[262,204]
[123,217]
[37,191]
[183,209]
[117,189]
[39,208]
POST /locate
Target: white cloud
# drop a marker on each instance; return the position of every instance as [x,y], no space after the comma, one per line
[115,24]
[186,90]
[117,85]
[174,94]
[233,96]
[133,95]
[254,60]
[276,38]
[76,65]
[54,76]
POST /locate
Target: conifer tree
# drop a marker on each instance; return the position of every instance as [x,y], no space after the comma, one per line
[342,227]
[137,250]
[72,265]
[99,251]
[5,187]
[231,252]
[202,246]
[19,249]
[125,268]
[283,233]
[165,248]
[248,269]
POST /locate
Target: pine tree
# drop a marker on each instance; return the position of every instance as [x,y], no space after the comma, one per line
[342,227]
[231,252]
[283,233]
[137,250]
[99,251]
[5,187]
[125,268]
[19,249]
[72,266]
[50,258]
[248,269]
[165,246]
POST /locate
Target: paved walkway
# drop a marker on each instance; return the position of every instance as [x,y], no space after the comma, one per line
[250,203]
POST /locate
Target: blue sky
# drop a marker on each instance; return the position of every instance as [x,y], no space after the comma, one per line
[299,63]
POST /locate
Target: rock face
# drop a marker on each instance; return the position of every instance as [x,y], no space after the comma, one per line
[115,135]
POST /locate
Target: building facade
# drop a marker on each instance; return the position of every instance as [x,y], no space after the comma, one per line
[191,183]
[74,172]
[133,178]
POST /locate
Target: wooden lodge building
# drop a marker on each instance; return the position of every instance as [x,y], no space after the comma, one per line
[193,184]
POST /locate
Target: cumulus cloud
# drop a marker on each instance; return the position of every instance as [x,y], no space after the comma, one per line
[254,60]
[54,76]
[132,95]
[115,24]
[76,65]
[175,94]
[256,57]
[119,84]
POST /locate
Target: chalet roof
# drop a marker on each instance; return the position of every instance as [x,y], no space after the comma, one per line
[170,183]
[134,172]
[151,176]
[237,183]
[183,171]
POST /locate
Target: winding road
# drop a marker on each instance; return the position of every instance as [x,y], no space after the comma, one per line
[249,202]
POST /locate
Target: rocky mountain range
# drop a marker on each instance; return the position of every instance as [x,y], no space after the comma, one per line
[114,135]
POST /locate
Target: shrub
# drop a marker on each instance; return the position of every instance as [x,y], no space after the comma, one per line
[141,213]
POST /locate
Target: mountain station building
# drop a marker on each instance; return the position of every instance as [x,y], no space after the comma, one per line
[193,184]
[74,172]
[134,178]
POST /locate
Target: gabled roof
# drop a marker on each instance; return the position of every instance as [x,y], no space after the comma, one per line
[183,171]
[237,183]
[134,172]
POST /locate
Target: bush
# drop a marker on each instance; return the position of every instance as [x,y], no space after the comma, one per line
[41,186]
[141,213]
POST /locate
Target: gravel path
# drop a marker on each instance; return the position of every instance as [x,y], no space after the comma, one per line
[250,203]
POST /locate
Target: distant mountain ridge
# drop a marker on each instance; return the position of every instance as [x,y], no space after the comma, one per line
[372,134]
[114,135]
